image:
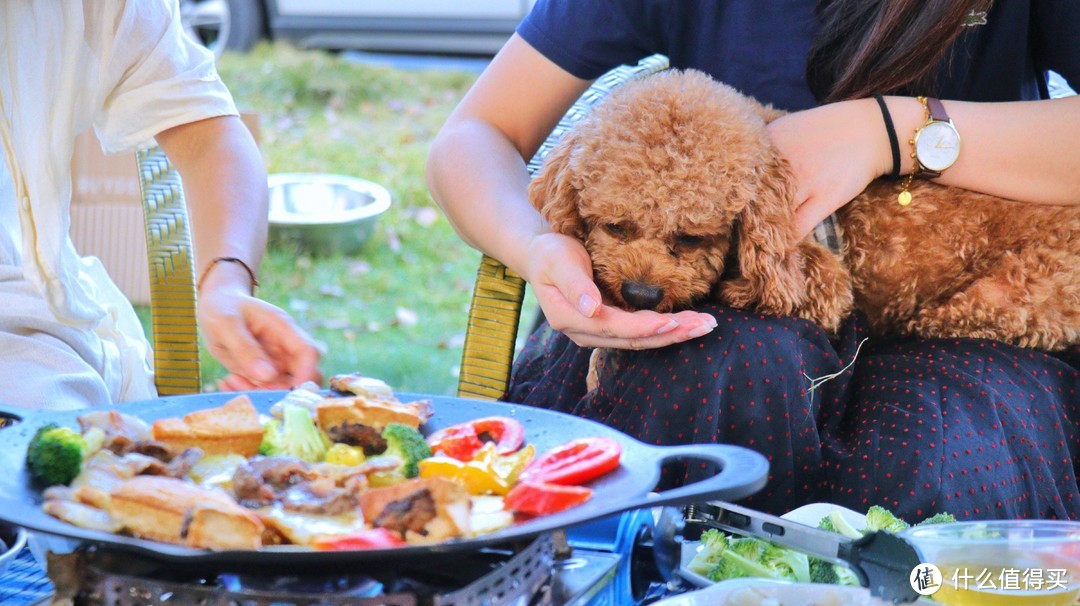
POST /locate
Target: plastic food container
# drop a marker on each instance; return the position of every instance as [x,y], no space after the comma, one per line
[12,541]
[766,592]
[1003,562]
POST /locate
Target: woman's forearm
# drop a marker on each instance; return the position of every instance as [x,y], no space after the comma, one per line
[226,190]
[1027,151]
[479,179]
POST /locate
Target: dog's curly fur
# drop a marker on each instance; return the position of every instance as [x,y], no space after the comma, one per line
[672,171]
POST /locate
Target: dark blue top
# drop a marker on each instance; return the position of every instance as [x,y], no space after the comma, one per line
[760,46]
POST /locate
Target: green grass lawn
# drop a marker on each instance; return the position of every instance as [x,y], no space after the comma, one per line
[398,310]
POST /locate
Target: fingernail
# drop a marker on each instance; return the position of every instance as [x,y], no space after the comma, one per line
[587,305]
[704,329]
[261,370]
[670,326]
[711,320]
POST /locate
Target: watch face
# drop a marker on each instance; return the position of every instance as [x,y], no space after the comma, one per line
[937,145]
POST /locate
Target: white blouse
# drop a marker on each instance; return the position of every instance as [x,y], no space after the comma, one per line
[127,68]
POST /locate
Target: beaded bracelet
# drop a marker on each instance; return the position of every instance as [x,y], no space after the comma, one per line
[251,273]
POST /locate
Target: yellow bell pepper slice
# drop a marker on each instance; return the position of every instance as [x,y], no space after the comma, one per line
[477,477]
[488,473]
[509,467]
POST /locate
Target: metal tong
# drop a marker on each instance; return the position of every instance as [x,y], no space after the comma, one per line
[883,562]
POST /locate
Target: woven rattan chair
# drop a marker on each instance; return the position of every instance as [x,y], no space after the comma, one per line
[172,275]
[496,303]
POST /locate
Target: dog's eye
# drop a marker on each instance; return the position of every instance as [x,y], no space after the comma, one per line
[688,241]
[617,230]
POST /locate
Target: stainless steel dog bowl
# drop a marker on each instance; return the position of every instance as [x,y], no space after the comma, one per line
[323,213]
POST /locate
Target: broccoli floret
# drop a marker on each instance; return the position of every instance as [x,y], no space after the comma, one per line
[295,435]
[846,576]
[55,455]
[823,572]
[832,574]
[879,518]
[747,547]
[713,543]
[836,522]
[938,518]
[787,563]
[827,525]
[749,557]
[408,445]
[732,565]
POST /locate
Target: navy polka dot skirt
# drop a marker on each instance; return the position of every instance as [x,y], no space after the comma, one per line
[976,428]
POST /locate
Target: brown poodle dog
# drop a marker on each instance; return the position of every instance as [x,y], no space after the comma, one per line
[674,177]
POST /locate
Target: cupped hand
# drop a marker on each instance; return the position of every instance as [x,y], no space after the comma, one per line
[259,344]
[835,151]
[560,273]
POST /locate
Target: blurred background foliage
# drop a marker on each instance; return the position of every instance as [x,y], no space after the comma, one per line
[398,309]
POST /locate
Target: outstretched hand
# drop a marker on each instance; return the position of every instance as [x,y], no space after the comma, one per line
[259,344]
[560,273]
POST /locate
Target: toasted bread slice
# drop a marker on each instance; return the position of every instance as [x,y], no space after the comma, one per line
[175,511]
[452,508]
[232,428]
[376,414]
[81,515]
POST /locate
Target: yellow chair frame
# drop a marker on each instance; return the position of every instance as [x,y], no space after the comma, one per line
[495,312]
[172,275]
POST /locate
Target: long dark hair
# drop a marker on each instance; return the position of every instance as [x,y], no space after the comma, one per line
[883,46]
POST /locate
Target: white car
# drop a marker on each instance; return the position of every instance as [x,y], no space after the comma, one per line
[430,26]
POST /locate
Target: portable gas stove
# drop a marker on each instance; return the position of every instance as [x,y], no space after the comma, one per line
[542,572]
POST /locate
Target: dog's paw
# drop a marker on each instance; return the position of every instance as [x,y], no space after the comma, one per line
[741,293]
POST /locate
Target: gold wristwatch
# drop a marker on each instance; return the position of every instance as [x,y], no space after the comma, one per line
[936,146]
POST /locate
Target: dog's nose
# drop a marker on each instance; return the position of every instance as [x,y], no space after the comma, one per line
[642,296]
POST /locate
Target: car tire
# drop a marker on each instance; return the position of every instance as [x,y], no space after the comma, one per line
[220,25]
[248,24]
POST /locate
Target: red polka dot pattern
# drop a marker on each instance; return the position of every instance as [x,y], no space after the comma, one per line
[973,427]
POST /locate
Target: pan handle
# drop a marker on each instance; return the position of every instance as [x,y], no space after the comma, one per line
[15,413]
[743,472]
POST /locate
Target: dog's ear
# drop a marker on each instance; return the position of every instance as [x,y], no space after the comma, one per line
[772,277]
[554,193]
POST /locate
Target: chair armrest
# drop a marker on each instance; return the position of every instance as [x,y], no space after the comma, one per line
[172,275]
[491,334]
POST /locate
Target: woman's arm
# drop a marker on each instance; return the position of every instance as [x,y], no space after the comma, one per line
[1027,150]
[225,186]
[477,173]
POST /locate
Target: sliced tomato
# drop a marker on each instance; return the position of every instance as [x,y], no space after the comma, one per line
[375,538]
[574,462]
[462,441]
[540,499]
[457,442]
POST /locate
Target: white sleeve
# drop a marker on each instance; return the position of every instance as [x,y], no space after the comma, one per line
[154,77]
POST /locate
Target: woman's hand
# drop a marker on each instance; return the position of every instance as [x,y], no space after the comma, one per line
[560,273]
[835,150]
[257,342]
